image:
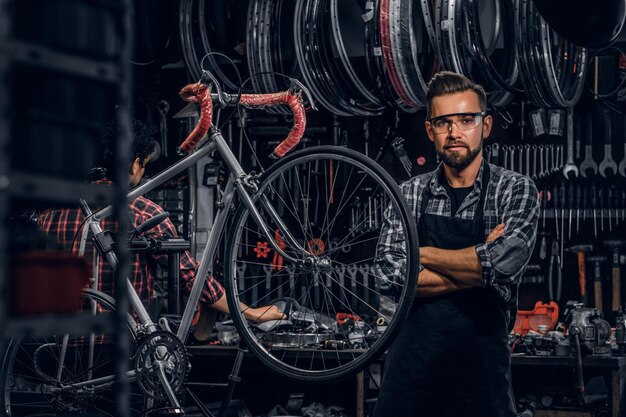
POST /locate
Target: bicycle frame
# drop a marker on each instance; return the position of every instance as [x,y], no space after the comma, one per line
[240,183]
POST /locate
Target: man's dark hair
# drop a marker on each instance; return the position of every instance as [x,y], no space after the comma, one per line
[447,82]
[142,147]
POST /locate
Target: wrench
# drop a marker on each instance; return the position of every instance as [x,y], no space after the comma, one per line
[495,153]
[365,273]
[570,167]
[488,153]
[607,162]
[588,163]
[534,148]
[505,157]
[542,171]
[527,152]
[352,271]
[520,158]
[622,165]
[341,272]
[512,158]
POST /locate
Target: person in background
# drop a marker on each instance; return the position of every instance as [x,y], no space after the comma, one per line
[65,225]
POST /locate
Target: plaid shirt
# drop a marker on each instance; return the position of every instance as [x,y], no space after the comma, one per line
[511,199]
[64,224]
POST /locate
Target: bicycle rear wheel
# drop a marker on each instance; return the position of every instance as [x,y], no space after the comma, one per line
[42,376]
[345,293]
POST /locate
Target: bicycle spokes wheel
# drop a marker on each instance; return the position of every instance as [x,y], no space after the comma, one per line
[50,376]
[344,292]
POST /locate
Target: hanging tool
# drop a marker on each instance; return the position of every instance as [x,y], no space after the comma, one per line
[615,246]
[578,205]
[562,204]
[352,271]
[622,165]
[365,274]
[607,163]
[398,150]
[555,204]
[594,206]
[277,260]
[555,261]
[570,206]
[613,196]
[588,163]
[597,279]
[581,251]
[600,203]
[570,169]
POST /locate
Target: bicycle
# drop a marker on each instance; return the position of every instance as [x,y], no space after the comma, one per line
[321,211]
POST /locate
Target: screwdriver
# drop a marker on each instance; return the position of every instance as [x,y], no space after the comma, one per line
[578,202]
[585,201]
[610,196]
[601,206]
[623,203]
[594,203]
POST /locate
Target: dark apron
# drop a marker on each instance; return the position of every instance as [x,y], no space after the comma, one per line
[451,357]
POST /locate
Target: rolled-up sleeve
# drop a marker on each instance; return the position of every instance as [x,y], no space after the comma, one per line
[503,260]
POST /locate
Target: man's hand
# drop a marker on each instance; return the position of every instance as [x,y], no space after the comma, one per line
[496,233]
[265,313]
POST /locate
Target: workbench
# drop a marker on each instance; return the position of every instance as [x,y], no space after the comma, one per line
[612,368]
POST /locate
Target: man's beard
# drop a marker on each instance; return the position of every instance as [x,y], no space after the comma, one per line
[457,160]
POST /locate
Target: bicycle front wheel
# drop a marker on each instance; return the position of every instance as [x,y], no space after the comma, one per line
[50,375]
[349,274]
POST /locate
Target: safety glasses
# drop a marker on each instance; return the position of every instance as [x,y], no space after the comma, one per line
[463,121]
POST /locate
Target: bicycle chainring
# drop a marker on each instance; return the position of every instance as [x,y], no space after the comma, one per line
[166,348]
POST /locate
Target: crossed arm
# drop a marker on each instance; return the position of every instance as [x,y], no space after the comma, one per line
[451,270]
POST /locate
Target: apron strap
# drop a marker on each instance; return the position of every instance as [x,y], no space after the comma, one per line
[486,176]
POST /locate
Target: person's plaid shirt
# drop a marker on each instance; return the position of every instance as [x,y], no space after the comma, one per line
[63,224]
[511,199]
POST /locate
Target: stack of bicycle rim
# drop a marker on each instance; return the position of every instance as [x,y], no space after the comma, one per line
[552,69]
[208,26]
[402,52]
[476,39]
[270,46]
[322,39]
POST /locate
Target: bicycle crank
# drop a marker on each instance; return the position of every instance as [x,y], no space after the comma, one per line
[161,364]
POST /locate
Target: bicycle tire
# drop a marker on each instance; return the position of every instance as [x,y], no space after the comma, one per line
[329,347]
[28,372]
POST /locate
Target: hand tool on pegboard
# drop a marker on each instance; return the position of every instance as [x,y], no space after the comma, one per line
[616,247]
[581,251]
